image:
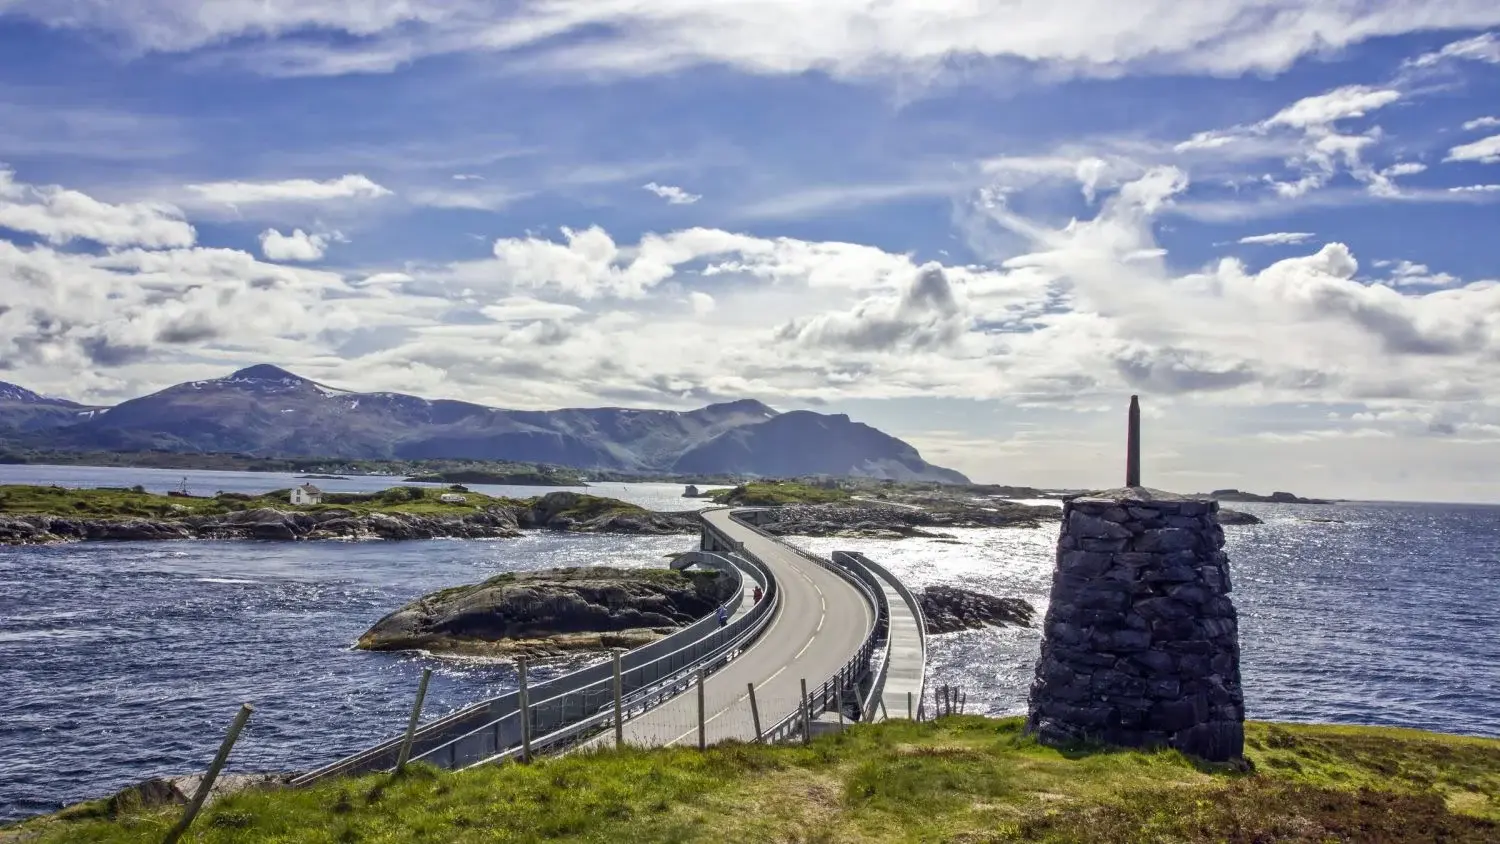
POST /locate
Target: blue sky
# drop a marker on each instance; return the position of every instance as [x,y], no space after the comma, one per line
[980,227]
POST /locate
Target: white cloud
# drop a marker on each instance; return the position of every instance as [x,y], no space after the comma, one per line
[844,38]
[297,246]
[58,215]
[1485,150]
[1404,168]
[702,303]
[351,186]
[1480,48]
[672,194]
[467,177]
[1276,238]
[1481,123]
[1333,106]
[1475,189]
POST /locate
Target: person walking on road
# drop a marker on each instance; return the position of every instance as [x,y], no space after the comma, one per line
[723,616]
[758,594]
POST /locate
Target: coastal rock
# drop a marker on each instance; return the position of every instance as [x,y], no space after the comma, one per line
[872,520]
[948,609]
[566,511]
[551,612]
[1235,517]
[175,791]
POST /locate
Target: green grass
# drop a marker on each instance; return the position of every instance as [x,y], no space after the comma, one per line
[590,507]
[115,503]
[961,779]
[775,493]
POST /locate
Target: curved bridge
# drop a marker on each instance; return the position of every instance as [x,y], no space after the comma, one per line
[831,628]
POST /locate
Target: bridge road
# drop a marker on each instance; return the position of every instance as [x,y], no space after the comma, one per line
[821,623]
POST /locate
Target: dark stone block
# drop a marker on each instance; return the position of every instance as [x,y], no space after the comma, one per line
[1137,559]
[1115,514]
[1163,608]
[1142,512]
[1186,523]
[1164,689]
[1104,545]
[1086,525]
[1167,539]
[1171,574]
[1103,595]
[1189,593]
[1066,633]
[1083,564]
[1155,662]
[1216,741]
[1192,665]
[1171,716]
[1124,641]
[1170,630]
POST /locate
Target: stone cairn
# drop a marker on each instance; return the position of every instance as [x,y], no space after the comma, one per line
[1141,643]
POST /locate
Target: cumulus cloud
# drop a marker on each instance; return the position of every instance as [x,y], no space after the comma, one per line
[352,186]
[926,314]
[58,216]
[1276,238]
[1485,150]
[1481,123]
[297,246]
[672,194]
[1475,189]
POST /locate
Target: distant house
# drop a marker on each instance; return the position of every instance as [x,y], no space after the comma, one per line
[307,494]
[452,498]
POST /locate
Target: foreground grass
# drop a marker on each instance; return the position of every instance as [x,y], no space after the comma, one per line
[961,779]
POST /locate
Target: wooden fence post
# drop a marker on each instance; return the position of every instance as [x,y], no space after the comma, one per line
[911,714]
[754,711]
[806,714]
[525,700]
[207,783]
[619,722]
[411,723]
[702,726]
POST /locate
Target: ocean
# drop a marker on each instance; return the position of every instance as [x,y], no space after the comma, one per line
[120,661]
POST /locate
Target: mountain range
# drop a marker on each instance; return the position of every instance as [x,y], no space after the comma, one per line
[266,411]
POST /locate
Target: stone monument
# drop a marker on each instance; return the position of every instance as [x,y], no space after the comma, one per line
[1141,644]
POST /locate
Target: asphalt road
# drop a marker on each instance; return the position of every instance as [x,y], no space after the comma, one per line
[820,625]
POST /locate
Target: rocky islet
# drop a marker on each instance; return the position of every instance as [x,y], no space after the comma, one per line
[552,612]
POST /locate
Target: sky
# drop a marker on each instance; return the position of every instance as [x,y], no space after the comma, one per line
[978,226]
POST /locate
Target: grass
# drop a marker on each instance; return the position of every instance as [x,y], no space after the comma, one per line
[775,493]
[964,779]
[117,503]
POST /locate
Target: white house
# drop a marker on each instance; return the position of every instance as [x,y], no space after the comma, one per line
[306,494]
[452,498]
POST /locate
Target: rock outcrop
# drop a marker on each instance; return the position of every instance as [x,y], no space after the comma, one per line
[552,612]
[565,511]
[1235,517]
[1142,641]
[871,520]
[948,609]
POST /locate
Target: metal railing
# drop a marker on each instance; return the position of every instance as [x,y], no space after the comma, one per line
[647,674]
[912,602]
[830,692]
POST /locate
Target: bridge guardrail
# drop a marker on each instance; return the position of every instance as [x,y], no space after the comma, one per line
[912,602]
[826,695]
[554,727]
[485,728]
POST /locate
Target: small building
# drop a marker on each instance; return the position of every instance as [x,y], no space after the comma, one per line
[306,495]
[452,498]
